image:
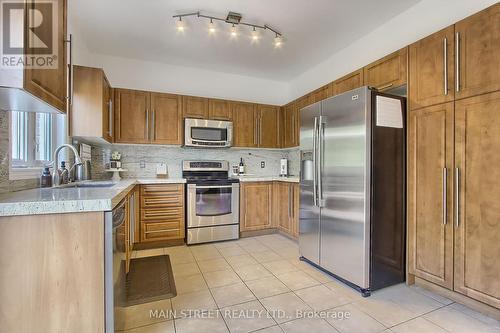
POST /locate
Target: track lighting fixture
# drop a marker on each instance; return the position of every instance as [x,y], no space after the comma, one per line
[234,19]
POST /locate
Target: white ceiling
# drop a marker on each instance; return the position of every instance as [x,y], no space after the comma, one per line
[313,29]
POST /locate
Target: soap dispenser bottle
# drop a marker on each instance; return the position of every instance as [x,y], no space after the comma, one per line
[46,178]
[63,173]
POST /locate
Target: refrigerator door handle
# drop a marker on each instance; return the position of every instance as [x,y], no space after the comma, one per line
[321,130]
[315,178]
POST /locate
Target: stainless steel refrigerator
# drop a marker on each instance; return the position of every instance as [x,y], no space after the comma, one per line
[352,188]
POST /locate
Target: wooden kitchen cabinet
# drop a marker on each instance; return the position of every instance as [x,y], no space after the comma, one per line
[389,72]
[195,107]
[244,124]
[166,119]
[290,125]
[256,206]
[162,212]
[478,38]
[92,110]
[132,116]
[430,176]
[219,109]
[348,82]
[477,146]
[268,126]
[50,85]
[431,76]
[285,204]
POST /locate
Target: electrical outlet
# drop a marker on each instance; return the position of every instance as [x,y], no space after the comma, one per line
[142,164]
[262,164]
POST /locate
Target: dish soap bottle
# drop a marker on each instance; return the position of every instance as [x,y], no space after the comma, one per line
[46,178]
[63,172]
[241,167]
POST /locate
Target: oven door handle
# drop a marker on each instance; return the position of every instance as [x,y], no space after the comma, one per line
[217,141]
[214,186]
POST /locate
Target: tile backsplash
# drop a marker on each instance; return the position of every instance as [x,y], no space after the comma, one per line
[140,160]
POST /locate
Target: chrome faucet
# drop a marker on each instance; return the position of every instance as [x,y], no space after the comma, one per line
[56,178]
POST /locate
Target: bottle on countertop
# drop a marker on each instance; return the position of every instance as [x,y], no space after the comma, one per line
[46,178]
[63,172]
[241,167]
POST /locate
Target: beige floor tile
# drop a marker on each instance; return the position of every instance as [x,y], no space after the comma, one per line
[346,292]
[302,265]
[319,275]
[297,280]
[418,325]
[428,293]
[184,304]
[266,287]
[231,295]
[477,315]
[163,327]
[289,252]
[180,270]
[212,323]
[256,247]
[401,294]
[458,322]
[230,243]
[385,311]
[285,307]
[242,260]
[321,298]
[180,258]
[306,325]
[206,253]
[149,253]
[139,315]
[278,245]
[221,278]
[350,319]
[280,266]
[272,329]
[189,284]
[266,256]
[232,251]
[213,265]
[247,317]
[252,272]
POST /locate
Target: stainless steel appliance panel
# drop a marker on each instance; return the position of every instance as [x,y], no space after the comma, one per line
[344,186]
[211,234]
[208,133]
[309,216]
[210,205]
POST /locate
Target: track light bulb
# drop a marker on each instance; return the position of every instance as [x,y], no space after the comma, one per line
[180,25]
[234,31]
[211,27]
[278,41]
[255,35]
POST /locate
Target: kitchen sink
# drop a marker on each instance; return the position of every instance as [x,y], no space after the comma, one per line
[89,184]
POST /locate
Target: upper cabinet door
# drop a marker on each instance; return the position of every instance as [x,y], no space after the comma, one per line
[289,125]
[131,116]
[431,69]
[49,85]
[166,119]
[245,125]
[195,107]
[477,249]
[477,41]
[268,126]
[349,82]
[219,109]
[388,72]
[107,110]
[430,176]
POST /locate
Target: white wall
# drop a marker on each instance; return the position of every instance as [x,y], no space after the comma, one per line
[423,19]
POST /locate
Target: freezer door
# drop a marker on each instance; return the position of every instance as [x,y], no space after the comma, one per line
[345,177]
[309,216]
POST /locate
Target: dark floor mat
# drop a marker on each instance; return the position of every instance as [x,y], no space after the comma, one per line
[149,279]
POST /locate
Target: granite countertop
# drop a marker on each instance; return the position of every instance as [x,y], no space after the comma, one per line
[255,178]
[72,199]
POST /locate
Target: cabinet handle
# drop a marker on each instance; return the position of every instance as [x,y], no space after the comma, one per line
[445,64]
[260,130]
[457,197]
[457,61]
[147,124]
[293,129]
[69,83]
[289,203]
[110,116]
[445,195]
[255,132]
[153,120]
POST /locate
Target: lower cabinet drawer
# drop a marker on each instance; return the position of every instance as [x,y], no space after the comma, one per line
[161,214]
[154,231]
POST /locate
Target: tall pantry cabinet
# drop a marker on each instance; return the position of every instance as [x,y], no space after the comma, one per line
[454,157]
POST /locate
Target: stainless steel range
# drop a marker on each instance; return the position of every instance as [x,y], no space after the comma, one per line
[212,202]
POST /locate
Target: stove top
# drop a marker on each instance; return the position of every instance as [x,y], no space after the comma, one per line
[207,172]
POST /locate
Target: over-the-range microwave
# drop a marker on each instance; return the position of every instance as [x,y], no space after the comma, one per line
[208,133]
